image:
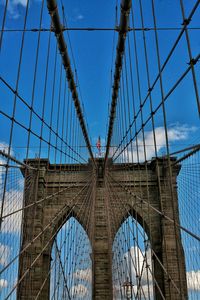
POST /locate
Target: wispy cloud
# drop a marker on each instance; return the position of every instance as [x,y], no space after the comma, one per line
[85,275]
[3,147]
[79,17]
[137,262]
[3,283]
[13,196]
[193,280]
[76,15]
[14,7]
[79,291]
[4,254]
[176,133]
[137,266]
[13,202]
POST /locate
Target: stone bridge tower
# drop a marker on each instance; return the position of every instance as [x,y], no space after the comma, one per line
[65,181]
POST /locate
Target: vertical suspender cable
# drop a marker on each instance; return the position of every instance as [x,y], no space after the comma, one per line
[53,11]
[123,29]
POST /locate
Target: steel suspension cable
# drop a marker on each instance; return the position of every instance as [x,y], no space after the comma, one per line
[123,28]
[53,10]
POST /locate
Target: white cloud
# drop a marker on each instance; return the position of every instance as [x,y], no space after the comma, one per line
[20,2]
[176,133]
[146,291]
[13,196]
[79,290]
[193,280]
[85,275]
[79,17]
[13,201]
[4,254]
[3,283]
[138,261]
[137,265]
[5,148]
[2,171]
[13,7]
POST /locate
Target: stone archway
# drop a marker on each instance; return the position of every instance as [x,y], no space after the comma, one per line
[71,264]
[134,256]
[42,221]
[69,180]
[166,246]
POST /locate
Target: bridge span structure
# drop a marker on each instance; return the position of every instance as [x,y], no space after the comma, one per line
[99,218]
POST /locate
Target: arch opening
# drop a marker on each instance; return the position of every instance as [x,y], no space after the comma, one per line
[132,264]
[71,264]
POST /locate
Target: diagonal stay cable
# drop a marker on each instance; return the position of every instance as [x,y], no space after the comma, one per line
[192,152]
[191,64]
[141,252]
[25,102]
[160,263]
[81,212]
[63,272]
[66,28]
[62,211]
[40,201]
[162,214]
[18,162]
[45,228]
[196,59]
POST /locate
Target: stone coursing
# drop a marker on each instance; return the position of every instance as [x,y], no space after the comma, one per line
[158,190]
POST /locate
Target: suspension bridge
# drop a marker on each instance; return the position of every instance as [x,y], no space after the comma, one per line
[84,217]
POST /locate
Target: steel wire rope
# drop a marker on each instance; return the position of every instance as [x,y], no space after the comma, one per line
[125,157]
[158,211]
[38,116]
[194,61]
[159,105]
[146,29]
[14,110]
[176,233]
[87,226]
[190,57]
[153,123]
[53,10]
[3,23]
[140,100]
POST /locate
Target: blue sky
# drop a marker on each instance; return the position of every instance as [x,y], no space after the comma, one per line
[93,56]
